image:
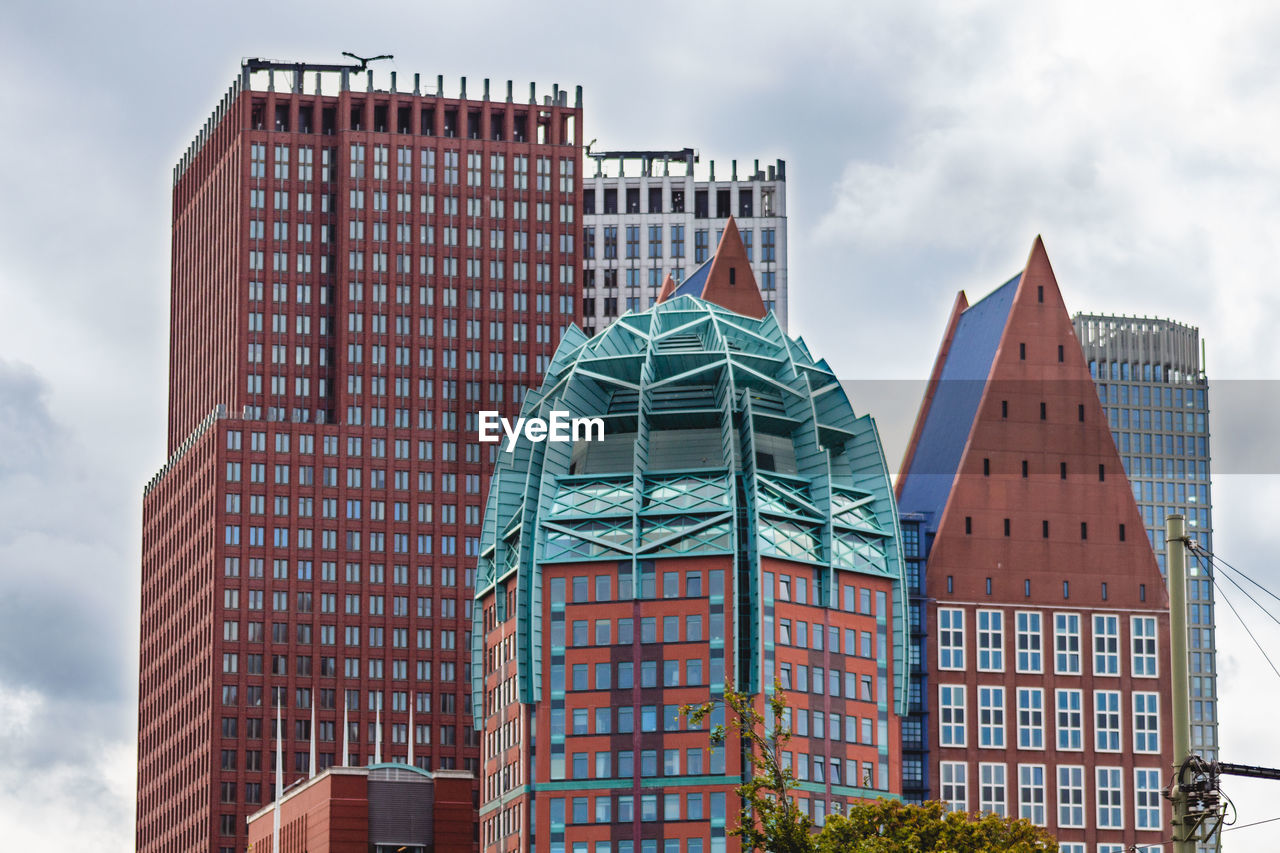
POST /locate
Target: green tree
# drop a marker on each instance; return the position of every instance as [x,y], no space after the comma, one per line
[771,822]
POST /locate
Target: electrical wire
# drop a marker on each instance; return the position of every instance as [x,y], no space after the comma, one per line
[1244,624]
[1236,584]
[1255,823]
[1196,549]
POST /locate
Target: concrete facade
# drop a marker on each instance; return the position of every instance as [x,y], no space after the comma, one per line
[647,216]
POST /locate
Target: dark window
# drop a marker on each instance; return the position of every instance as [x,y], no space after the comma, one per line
[1022,351]
[1102,473]
[677,201]
[611,200]
[1026,588]
[1062,470]
[1044,529]
[968,524]
[988,586]
[1024,469]
[1084,530]
[722,204]
[633,199]
[589,201]
[699,204]
[1104,590]
[1040,293]
[1060,353]
[951,586]
[1080,412]
[745,209]
[1066,589]
[1122,532]
[986,467]
[1142,592]
[1004,408]
[1006,527]
[655,199]
[1044,411]
[733,278]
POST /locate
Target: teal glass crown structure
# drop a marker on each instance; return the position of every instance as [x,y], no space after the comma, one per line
[723,436]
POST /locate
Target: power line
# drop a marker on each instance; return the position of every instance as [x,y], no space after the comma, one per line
[1201,552]
[1243,624]
[1255,823]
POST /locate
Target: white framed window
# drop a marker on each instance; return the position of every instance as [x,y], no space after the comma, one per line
[1066,643]
[1147,803]
[1030,718]
[990,717]
[1030,641]
[1146,722]
[1145,663]
[1068,706]
[1070,796]
[951,721]
[993,796]
[990,641]
[950,638]
[1106,720]
[1106,644]
[1071,847]
[1110,786]
[955,787]
[1031,793]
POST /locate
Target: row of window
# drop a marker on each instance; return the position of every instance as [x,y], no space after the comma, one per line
[623,764]
[447,671]
[991,792]
[1029,724]
[695,674]
[826,681]
[1028,648]
[623,808]
[581,635]
[702,249]
[445,576]
[327,635]
[583,589]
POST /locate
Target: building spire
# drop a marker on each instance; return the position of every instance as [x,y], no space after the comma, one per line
[275,819]
[313,740]
[410,735]
[346,735]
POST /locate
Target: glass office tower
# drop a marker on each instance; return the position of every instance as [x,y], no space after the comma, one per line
[1151,381]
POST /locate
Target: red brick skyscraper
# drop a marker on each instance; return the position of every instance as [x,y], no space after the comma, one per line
[354,275]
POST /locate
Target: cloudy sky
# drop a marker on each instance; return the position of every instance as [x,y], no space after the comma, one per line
[927,145]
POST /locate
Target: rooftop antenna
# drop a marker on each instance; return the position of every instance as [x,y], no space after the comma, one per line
[365,60]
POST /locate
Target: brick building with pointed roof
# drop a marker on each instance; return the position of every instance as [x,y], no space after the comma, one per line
[1040,616]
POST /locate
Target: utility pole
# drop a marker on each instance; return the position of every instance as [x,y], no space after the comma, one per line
[1175,533]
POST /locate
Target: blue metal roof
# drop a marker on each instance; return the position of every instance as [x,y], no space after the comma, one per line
[692,286]
[955,402]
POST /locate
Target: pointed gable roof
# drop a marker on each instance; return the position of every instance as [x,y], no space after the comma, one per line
[1011,389]
[726,280]
[668,289]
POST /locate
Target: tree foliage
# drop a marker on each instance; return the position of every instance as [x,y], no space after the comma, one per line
[771,822]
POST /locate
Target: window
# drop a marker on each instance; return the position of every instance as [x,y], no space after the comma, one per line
[951,724]
[993,786]
[1106,720]
[990,641]
[1146,798]
[1070,796]
[1030,718]
[955,789]
[1144,662]
[1070,719]
[1066,643]
[991,717]
[1031,793]
[1146,722]
[1106,644]
[950,638]
[1030,653]
[1110,798]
